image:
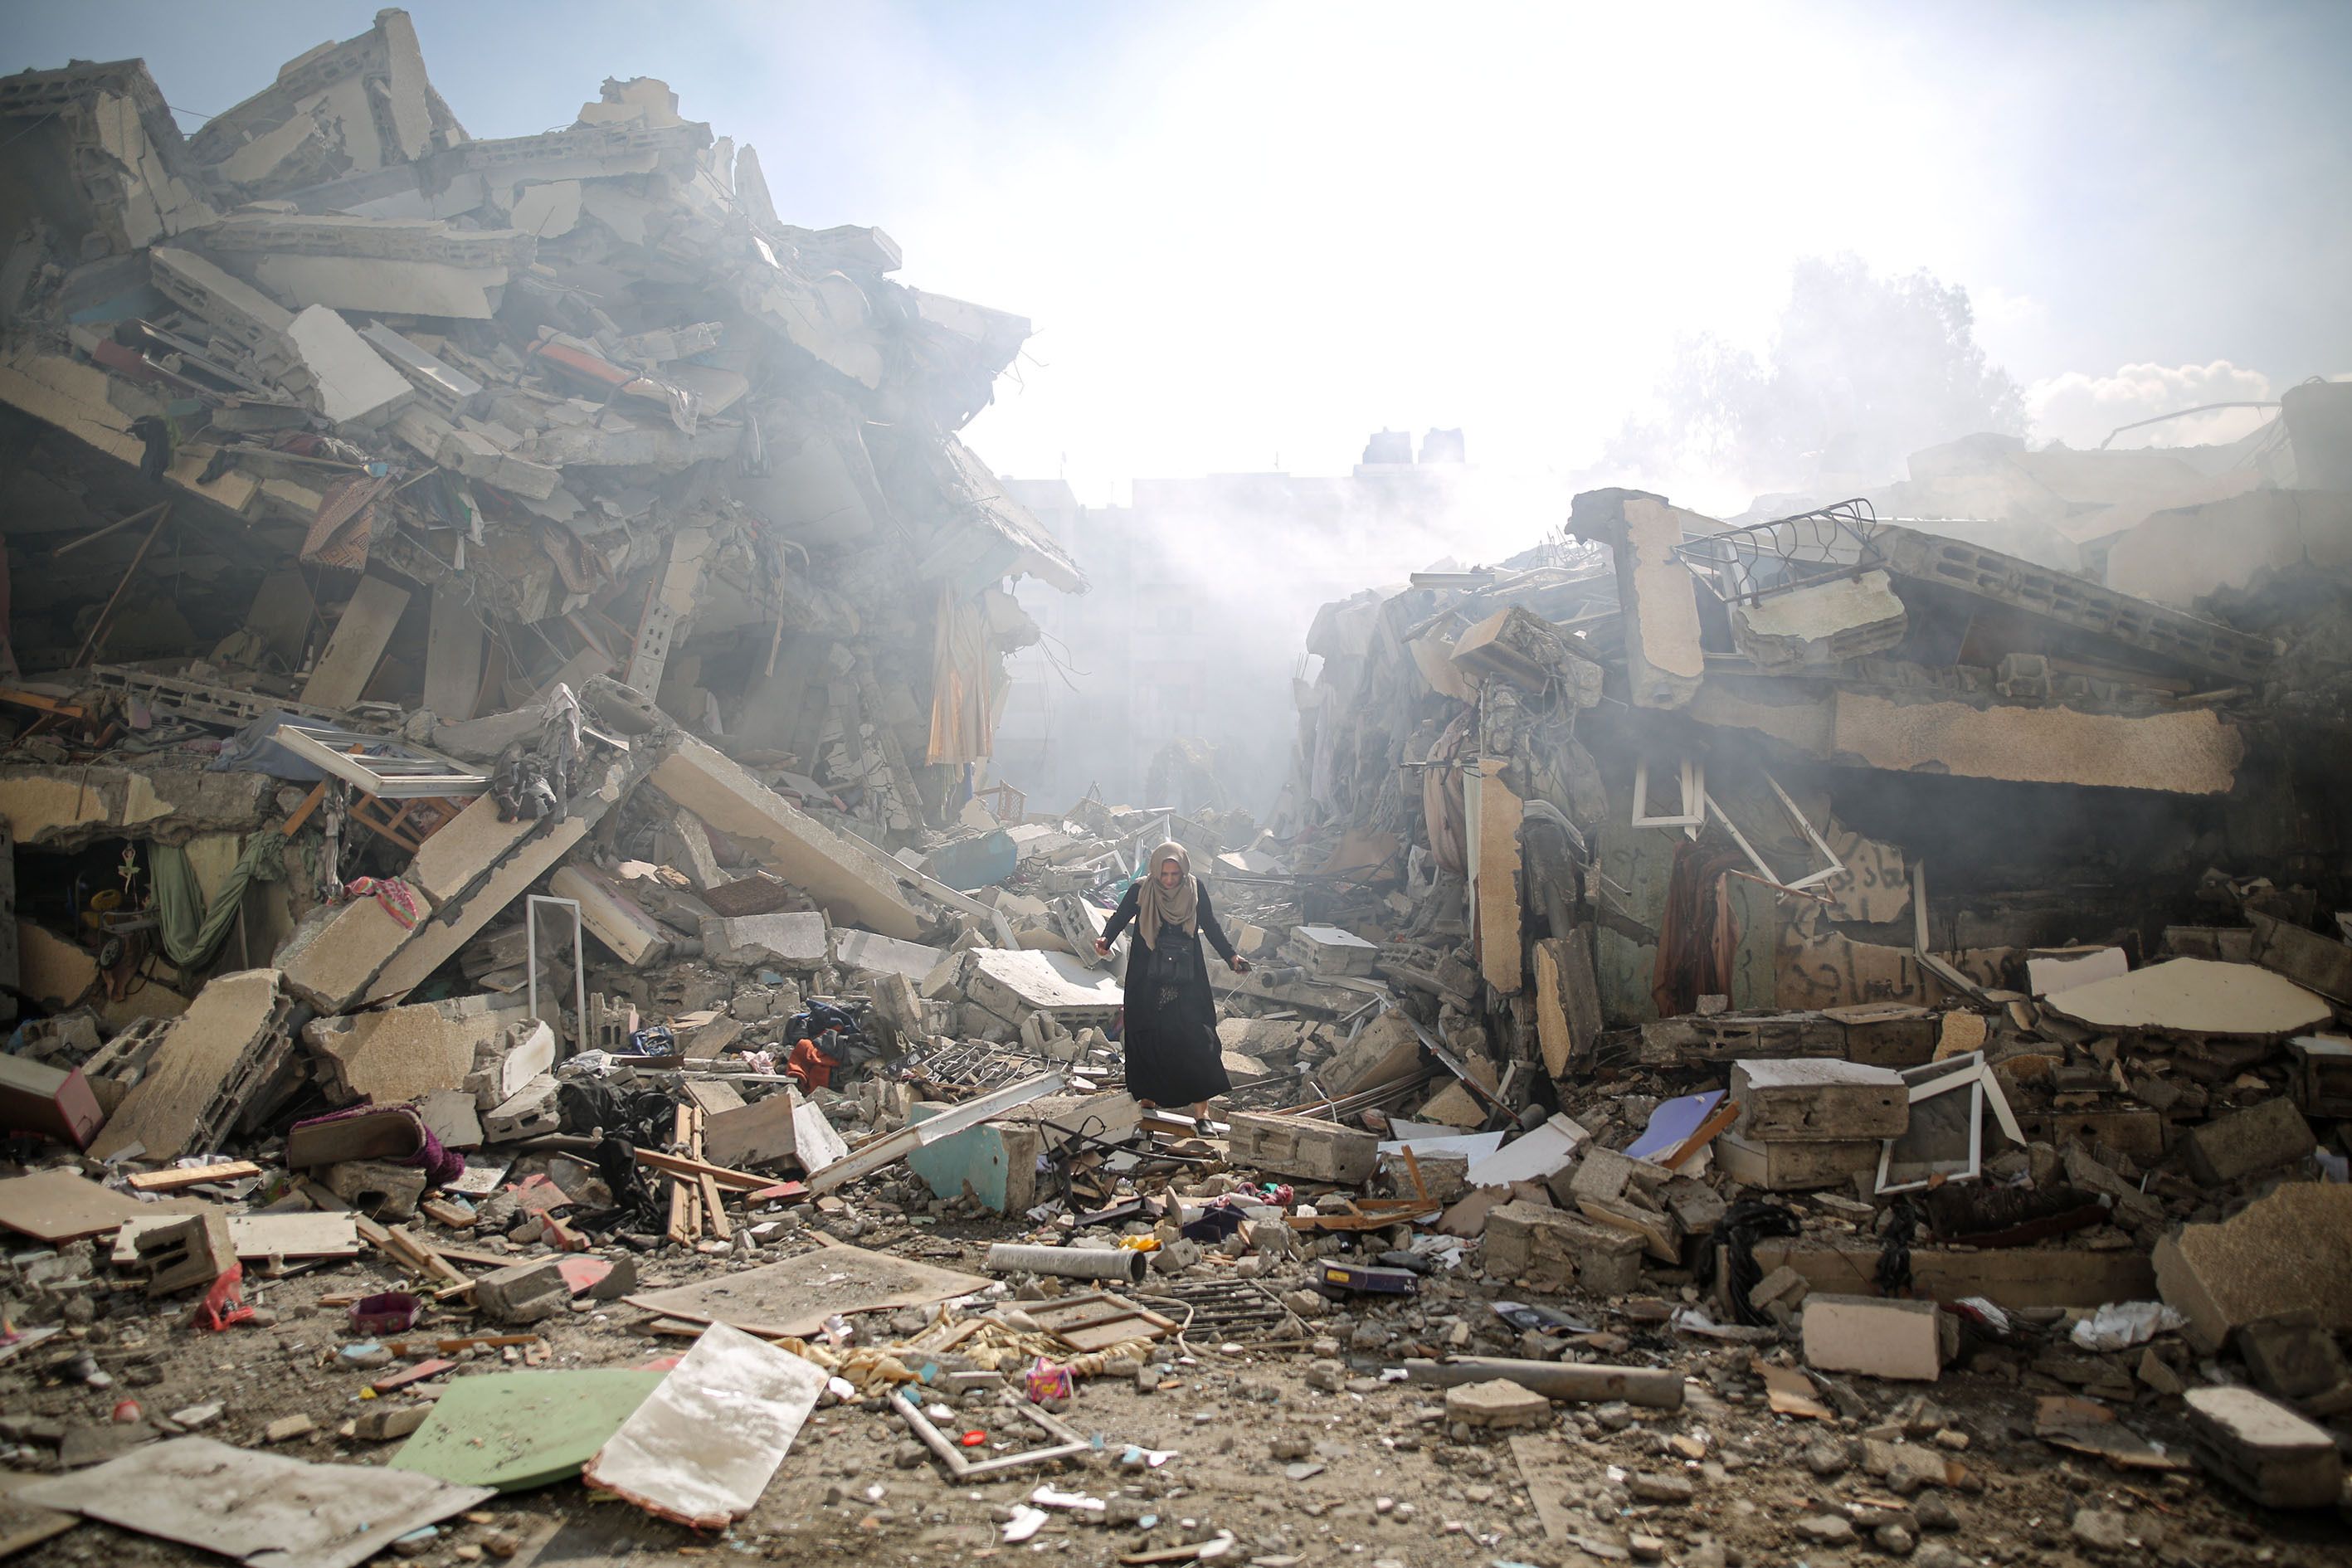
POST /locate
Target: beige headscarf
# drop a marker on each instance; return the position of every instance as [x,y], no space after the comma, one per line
[1179,905]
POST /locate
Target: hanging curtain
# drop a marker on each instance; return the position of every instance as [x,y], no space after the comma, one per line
[960,666]
[191,933]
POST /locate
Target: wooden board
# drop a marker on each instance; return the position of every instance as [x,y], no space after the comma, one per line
[258,1236]
[178,1177]
[58,1205]
[795,1296]
[1544,1467]
[1097,1321]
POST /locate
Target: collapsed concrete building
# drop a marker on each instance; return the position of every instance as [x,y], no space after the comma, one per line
[333,416]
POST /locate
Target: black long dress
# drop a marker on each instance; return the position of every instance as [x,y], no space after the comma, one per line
[1171,1032]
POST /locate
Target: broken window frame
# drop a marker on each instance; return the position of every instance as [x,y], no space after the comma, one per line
[398,771]
[579,964]
[1931,1080]
[1694,775]
[1836,868]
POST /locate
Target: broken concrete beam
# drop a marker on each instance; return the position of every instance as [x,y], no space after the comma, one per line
[1886,1034]
[1818,1101]
[1820,624]
[1328,953]
[2187,751]
[612,917]
[350,382]
[1522,647]
[1494,813]
[506,1064]
[1875,1337]
[402,1053]
[1302,1146]
[2019,1277]
[1385,1049]
[1665,661]
[1555,1249]
[1794,1167]
[53,807]
[1656,1388]
[2264,1449]
[357,644]
[2263,1137]
[697,778]
[1568,1001]
[212,1061]
[865,952]
[801,939]
[2288,1251]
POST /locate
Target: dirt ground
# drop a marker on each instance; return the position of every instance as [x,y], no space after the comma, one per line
[1356,1470]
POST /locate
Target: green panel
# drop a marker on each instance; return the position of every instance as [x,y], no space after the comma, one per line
[517,1429]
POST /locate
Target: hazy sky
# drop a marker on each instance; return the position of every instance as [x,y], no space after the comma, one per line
[1252,233]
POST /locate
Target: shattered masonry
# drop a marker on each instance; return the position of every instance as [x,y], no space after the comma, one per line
[1761,1035]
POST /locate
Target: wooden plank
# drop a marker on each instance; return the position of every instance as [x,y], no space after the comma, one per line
[357,646]
[680,1165]
[172,1181]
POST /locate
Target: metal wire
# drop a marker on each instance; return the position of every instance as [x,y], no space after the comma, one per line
[1742,565]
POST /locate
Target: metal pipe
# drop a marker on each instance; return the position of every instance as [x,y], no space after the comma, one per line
[1069,1262]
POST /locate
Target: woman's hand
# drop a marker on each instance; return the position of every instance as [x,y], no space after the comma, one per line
[1102,948]
[1241,965]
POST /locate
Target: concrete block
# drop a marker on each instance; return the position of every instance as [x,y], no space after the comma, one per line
[2264,1449]
[1328,952]
[1497,1403]
[2261,1138]
[837,874]
[1557,1249]
[799,939]
[1818,1101]
[1875,1337]
[2292,1357]
[522,1292]
[1784,1167]
[376,1188]
[2288,1251]
[187,1253]
[528,1113]
[1302,1146]
[872,953]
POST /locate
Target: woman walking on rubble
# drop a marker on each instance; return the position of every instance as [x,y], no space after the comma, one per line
[1171,1031]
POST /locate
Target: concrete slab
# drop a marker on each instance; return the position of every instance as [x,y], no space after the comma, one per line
[2196,996]
[702,1447]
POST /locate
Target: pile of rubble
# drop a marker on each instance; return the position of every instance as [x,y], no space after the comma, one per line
[524,996]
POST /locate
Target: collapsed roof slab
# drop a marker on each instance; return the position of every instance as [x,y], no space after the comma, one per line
[2190,752]
[699,778]
[2195,996]
[1664,662]
[2069,601]
[70,807]
[2183,556]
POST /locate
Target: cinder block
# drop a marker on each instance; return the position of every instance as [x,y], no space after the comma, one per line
[1782,1167]
[1328,952]
[1818,1101]
[1302,1146]
[1875,1337]
[2264,1449]
[376,1188]
[1557,1249]
[187,1254]
[522,1292]
[2261,1138]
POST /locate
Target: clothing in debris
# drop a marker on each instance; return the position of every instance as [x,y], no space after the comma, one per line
[1172,1054]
